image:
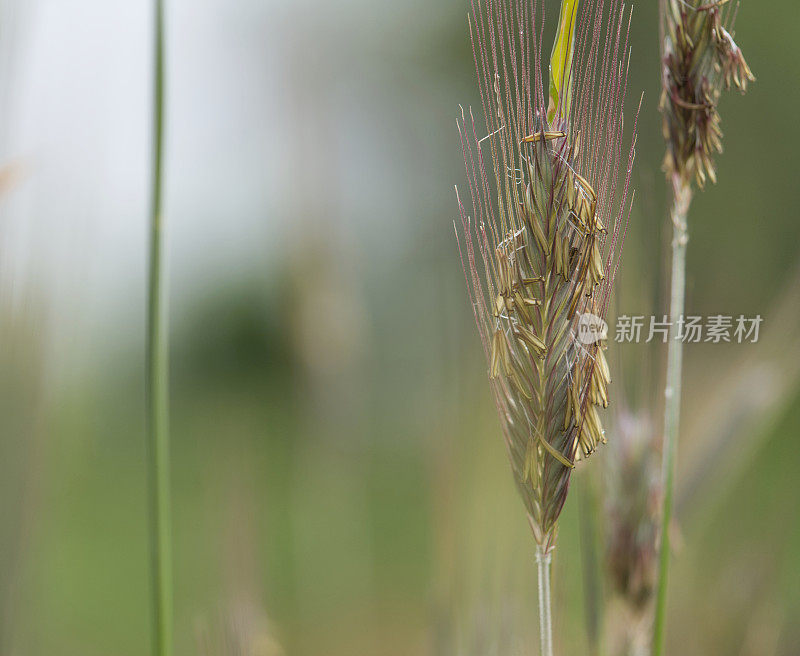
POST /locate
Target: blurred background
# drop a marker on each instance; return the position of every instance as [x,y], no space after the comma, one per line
[340,484]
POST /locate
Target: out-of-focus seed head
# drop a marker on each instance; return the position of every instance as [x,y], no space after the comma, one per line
[633,492]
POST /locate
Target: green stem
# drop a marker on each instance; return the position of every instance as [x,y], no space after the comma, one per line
[543,560]
[157,382]
[682,198]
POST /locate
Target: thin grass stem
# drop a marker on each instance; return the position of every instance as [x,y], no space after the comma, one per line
[682,198]
[157,380]
[543,561]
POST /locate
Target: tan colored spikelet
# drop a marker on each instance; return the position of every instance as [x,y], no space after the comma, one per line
[700,60]
[542,238]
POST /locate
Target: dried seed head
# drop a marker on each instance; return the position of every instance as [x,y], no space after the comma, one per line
[632,508]
[543,235]
[699,60]
[632,511]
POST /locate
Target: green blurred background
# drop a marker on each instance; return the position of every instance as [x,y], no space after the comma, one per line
[340,484]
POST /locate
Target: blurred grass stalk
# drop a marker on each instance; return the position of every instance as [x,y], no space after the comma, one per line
[752,396]
[699,60]
[682,196]
[157,377]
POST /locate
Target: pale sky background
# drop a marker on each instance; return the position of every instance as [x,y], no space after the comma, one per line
[278,113]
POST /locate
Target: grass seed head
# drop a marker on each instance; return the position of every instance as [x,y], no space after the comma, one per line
[699,61]
[542,230]
[633,493]
[632,509]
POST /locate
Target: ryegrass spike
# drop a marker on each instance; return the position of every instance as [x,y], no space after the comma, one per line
[542,232]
